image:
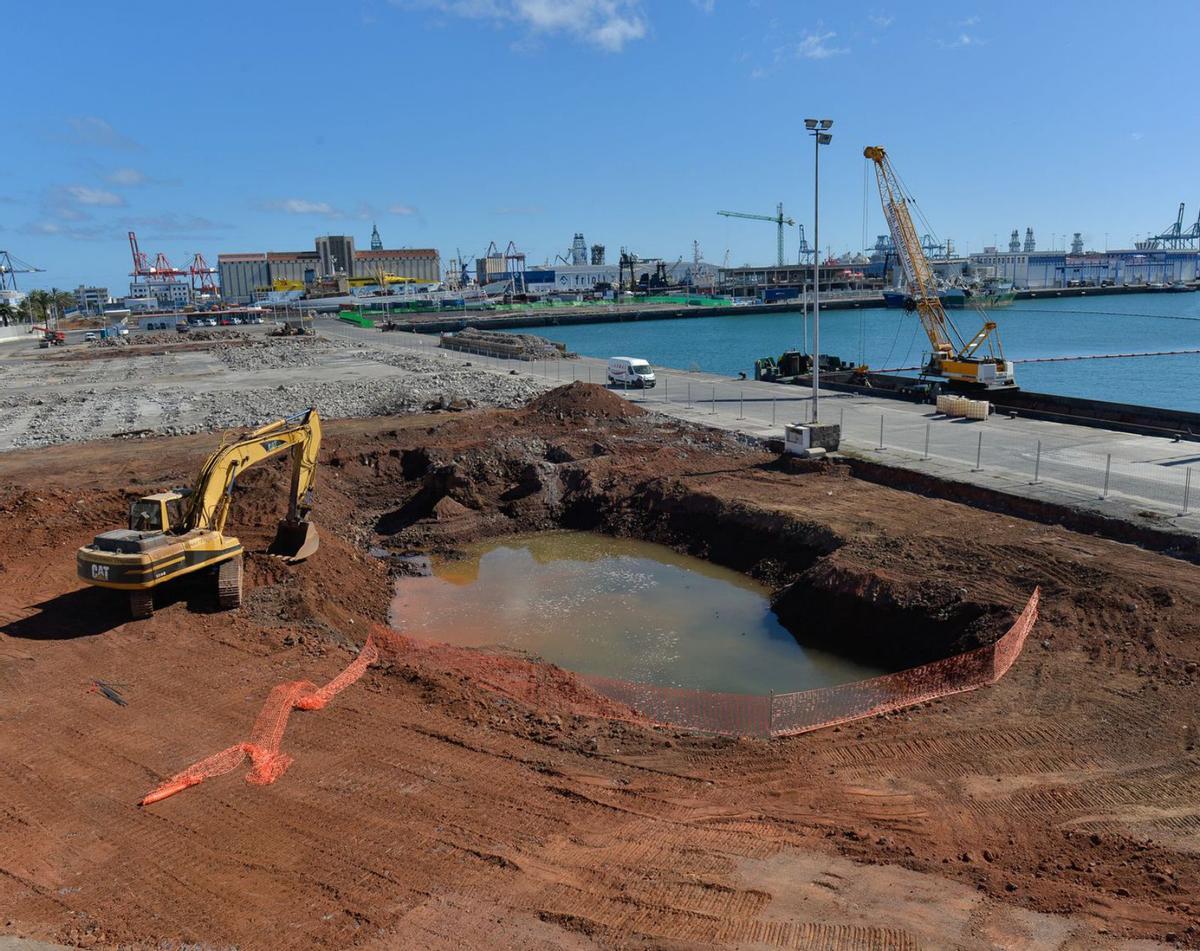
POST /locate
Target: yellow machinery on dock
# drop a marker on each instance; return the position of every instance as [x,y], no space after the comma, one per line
[957,359]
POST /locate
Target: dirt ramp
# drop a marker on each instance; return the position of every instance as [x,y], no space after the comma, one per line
[583,400]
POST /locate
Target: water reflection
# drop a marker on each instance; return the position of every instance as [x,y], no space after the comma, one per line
[615,607]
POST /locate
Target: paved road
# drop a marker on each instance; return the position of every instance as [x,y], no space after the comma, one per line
[1146,479]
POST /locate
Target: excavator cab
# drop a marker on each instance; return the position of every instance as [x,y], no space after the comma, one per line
[162,512]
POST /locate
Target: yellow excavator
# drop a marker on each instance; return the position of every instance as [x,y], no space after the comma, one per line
[952,357]
[176,533]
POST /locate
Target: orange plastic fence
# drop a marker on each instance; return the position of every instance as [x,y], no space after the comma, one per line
[267,761]
[729,714]
[784,714]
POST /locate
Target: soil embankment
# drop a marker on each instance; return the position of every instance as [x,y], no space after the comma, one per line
[453,798]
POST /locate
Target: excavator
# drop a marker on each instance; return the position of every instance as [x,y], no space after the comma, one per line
[180,532]
[957,359]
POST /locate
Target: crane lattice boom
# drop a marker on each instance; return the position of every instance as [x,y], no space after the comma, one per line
[952,355]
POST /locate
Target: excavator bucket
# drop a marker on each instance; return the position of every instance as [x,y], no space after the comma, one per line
[295,541]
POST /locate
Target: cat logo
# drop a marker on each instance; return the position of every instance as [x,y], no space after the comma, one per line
[100,572]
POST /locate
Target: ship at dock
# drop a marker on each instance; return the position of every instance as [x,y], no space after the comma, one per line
[952,298]
[991,293]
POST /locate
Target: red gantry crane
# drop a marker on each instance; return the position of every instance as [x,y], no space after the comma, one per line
[203,284]
[952,357]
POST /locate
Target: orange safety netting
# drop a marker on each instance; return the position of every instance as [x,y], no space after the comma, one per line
[266,760]
[784,714]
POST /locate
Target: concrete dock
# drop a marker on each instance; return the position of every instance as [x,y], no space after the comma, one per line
[1145,480]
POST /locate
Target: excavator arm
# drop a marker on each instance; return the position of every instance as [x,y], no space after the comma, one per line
[301,436]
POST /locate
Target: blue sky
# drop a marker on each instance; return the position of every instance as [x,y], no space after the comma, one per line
[258,125]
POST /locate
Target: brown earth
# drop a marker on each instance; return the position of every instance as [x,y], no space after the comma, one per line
[458,799]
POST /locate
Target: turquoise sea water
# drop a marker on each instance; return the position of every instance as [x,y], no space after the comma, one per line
[893,338]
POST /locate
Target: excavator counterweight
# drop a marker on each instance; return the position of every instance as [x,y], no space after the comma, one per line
[181,532]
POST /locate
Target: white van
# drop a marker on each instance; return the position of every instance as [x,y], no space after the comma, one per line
[629,371]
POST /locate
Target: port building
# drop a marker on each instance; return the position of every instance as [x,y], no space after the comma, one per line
[1036,269]
[247,275]
[91,300]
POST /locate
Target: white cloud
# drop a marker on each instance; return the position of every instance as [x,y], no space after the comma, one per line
[302,206]
[128,177]
[705,6]
[969,21]
[404,210]
[1137,136]
[881,21]
[94,131]
[607,24]
[961,41]
[172,224]
[816,46]
[55,229]
[83,195]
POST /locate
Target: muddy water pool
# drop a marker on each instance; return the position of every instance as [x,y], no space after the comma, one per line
[615,607]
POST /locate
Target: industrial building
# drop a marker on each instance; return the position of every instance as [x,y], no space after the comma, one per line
[1034,269]
[164,294]
[91,300]
[246,276]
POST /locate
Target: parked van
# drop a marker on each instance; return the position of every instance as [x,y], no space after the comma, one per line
[630,371]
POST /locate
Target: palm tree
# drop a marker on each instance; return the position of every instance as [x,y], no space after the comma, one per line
[7,314]
[63,300]
[38,303]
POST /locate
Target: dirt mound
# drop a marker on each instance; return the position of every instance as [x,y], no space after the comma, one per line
[447,509]
[584,399]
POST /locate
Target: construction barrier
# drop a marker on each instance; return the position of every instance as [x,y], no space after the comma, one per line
[268,763]
[960,406]
[351,317]
[704,711]
[728,714]
[785,714]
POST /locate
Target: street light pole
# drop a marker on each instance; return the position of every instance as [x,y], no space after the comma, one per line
[819,130]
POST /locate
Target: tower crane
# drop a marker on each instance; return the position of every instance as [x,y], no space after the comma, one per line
[778,218]
[952,356]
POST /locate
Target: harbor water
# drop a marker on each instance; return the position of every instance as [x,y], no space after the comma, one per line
[883,338]
[615,607]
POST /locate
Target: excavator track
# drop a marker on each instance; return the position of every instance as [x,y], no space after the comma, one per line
[141,604]
[229,584]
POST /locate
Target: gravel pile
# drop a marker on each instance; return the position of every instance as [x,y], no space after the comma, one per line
[143,397]
[279,352]
[162,337]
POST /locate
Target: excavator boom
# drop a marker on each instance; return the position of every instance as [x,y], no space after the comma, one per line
[301,435]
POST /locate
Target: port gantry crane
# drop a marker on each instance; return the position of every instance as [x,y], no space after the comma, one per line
[952,357]
[778,218]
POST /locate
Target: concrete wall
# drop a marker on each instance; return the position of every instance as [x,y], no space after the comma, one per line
[15,334]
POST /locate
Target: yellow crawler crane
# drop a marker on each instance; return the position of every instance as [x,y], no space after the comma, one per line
[955,359]
[177,533]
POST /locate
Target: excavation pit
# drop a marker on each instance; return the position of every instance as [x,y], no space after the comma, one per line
[618,608]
